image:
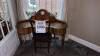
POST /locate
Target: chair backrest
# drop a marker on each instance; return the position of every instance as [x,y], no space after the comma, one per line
[40,21]
[42,15]
[40,26]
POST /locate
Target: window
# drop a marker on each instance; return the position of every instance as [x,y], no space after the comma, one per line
[5,19]
[53,6]
[28,7]
[31,7]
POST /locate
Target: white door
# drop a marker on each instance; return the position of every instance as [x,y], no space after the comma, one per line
[9,40]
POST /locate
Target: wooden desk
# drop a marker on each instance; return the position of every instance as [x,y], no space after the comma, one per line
[53,29]
[57,27]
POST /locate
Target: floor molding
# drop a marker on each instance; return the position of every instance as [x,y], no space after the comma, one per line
[84,42]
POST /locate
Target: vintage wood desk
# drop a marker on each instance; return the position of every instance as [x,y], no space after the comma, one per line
[57,27]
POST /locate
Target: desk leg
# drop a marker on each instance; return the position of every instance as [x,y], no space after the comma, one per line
[62,41]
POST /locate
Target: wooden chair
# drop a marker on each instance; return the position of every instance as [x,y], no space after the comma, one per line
[57,27]
[41,37]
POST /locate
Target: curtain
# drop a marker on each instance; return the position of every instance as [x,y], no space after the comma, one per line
[65,8]
[21,9]
[56,7]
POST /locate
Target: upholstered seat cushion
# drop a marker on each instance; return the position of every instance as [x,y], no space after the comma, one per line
[42,36]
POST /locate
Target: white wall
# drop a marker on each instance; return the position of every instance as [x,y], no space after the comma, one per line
[84,19]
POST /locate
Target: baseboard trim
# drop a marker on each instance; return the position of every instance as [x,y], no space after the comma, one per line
[84,42]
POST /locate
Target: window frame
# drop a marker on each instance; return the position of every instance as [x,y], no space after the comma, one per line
[8,11]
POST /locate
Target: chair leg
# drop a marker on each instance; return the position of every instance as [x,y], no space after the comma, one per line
[35,46]
[48,47]
[21,41]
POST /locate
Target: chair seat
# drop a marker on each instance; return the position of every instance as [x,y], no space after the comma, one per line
[42,37]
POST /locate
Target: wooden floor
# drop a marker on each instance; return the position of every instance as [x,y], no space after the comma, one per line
[71,48]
